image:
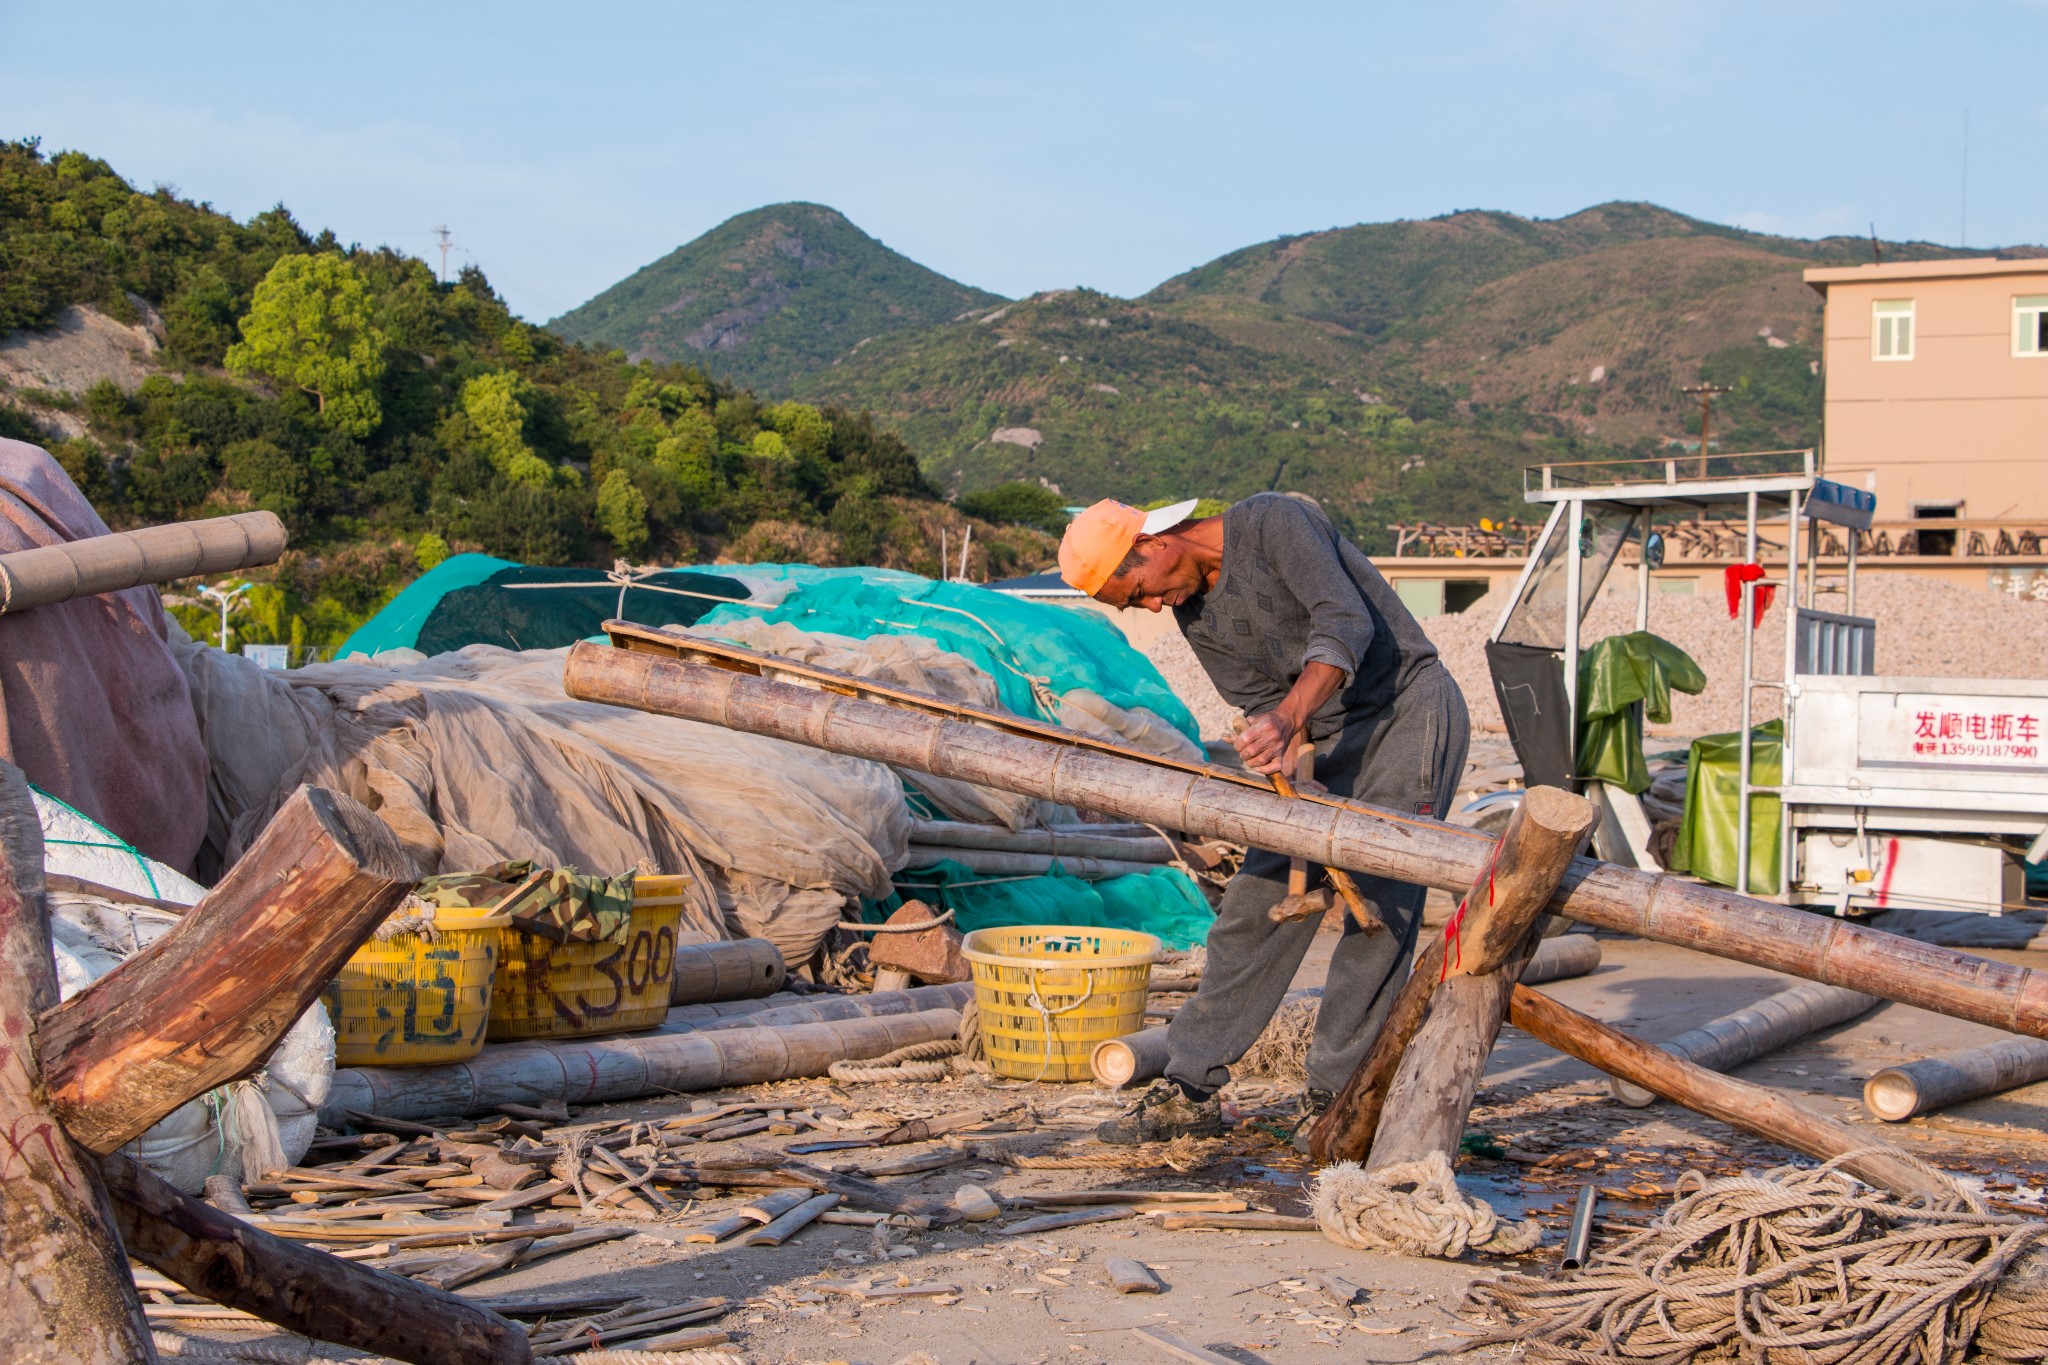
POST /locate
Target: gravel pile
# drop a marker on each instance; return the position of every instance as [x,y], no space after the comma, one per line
[1925,628]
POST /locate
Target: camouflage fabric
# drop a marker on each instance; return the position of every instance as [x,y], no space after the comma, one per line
[559,904]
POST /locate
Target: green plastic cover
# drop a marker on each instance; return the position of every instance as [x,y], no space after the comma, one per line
[1164,902]
[481,600]
[1036,652]
[1617,675]
[1706,841]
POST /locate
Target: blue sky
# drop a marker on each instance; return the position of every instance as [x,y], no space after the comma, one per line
[1036,146]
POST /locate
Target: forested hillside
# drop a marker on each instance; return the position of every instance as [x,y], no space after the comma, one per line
[768,296]
[1398,371]
[391,419]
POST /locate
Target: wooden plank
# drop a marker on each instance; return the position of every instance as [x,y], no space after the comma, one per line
[1179,1349]
[1107,1213]
[208,1001]
[1127,1276]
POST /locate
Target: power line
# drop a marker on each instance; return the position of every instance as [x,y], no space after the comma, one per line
[446,244]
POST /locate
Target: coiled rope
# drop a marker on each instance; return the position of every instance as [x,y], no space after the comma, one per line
[917,1062]
[1795,1265]
[1413,1208]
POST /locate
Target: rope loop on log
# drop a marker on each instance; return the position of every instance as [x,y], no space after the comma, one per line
[1412,1208]
[1796,1264]
[916,1062]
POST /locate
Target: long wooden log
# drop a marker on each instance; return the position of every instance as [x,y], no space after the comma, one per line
[1897,1093]
[1336,833]
[295,1286]
[742,969]
[1487,943]
[1752,1108]
[624,1067]
[208,1001]
[65,1292]
[1063,843]
[50,574]
[1771,1023]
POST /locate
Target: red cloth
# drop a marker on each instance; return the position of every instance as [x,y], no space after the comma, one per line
[1733,577]
[92,706]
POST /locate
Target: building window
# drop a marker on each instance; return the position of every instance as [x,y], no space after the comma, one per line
[1891,329]
[2030,324]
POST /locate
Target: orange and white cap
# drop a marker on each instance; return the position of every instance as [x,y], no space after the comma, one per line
[1097,540]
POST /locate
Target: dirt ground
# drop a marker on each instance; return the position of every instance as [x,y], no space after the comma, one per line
[1543,1126]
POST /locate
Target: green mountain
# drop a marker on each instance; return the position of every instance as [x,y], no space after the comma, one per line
[1399,371]
[180,364]
[767,296]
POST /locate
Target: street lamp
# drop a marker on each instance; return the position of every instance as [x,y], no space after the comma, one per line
[227,597]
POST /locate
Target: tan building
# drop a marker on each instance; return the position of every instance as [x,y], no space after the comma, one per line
[1937,391]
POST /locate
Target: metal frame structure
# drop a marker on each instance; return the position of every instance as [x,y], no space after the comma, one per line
[1766,483]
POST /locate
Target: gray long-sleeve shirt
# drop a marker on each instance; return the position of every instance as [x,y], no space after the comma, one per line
[1292,592]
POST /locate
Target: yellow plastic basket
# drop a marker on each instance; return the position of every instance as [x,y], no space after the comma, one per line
[412,1001]
[1047,994]
[575,990]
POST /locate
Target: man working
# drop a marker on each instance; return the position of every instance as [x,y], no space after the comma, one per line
[1294,625]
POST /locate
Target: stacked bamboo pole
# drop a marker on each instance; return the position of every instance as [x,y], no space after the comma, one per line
[1897,1093]
[991,749]
[1746,1034]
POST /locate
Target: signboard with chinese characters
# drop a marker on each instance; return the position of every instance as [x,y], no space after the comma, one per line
[1952,730]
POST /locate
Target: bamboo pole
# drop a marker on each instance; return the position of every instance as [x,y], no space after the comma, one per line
[208,1001]
[1561,956]
[1064,843]
[742,969]
[1752,1108]
[50,574]
[831,1008]
[1897,1093]
[1771,1023]
[1488,942]
[1140,1056]
[992,862]
[999,753]
[65,1292]
[624,1067]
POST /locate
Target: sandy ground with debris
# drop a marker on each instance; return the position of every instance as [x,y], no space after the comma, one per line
[1254,1296]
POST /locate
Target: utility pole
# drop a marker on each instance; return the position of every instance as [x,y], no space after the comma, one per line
[1706,394]
[446,243]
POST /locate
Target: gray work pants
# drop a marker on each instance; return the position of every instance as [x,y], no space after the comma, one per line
[1408,758]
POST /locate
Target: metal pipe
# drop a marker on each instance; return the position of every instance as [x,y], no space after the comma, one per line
[1643,575]
[1744,614]
[1575,526]
[1578,1242]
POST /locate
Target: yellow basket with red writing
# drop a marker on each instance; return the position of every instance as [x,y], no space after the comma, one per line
[577,990]
[417,998]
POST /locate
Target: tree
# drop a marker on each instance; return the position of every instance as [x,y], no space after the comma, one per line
[497,408]
[622,512]
[1018,504]
[802,427]
[309,326]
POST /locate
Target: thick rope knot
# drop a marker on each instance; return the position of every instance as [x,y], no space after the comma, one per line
[1412,1208]
[916,1062]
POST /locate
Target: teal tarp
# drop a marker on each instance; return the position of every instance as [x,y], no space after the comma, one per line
[1163,903]
[1013,640]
